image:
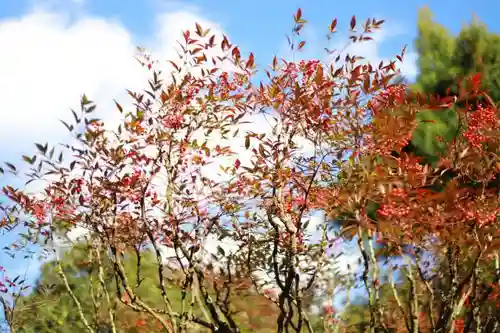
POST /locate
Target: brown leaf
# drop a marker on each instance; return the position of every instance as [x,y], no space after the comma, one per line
[199,30]
[163,97]
[319,75]
[211,40]
[403,51]
[262,151]
[366,85]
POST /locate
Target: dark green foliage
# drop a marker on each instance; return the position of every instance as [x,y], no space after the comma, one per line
[444,58]
[49,308]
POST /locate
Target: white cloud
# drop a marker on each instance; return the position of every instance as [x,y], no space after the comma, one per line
[48,62]
[49,58]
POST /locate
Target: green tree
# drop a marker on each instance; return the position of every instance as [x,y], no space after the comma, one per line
[443,60]
[50,308]
[443,57]
[435,47]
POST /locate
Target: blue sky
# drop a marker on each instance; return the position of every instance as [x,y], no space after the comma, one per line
[55,50]
[259,24]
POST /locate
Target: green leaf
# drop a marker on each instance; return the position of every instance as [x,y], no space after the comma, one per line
[432,124]
[221,251]
[77,120]
[90,109]
[85,100]
[11,166]
[27,159]
[51,154]
[119,107]
[69,127]
[42,149]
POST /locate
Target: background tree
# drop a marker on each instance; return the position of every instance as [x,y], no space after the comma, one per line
[49,307]
[444,60]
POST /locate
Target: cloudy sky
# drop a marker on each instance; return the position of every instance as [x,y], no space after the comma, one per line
[52,51]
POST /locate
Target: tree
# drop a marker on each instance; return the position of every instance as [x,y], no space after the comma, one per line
[445,63]
[444,60]
[336,144]
[49,308]
[461,207]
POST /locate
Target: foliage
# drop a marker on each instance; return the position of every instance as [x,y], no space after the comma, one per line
[444,59]
[49,308]
[337,144]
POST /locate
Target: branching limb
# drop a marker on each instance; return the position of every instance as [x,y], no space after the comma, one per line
[79,309]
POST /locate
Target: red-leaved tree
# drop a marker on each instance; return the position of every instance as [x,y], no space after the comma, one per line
[185,166]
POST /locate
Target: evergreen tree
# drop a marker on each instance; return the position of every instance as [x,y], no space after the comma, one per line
[444,60]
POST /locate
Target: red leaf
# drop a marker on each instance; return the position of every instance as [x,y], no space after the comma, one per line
[163,97]
[236,54]
[250,61]
[237,164]
[186,35]
[298,15]
[173,64]
[353,22]
[333,25]
[225,43]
